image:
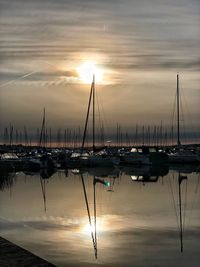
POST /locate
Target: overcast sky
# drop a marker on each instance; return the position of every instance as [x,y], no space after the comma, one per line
[140,44]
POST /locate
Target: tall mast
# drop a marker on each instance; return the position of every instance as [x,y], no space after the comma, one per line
[44,130]
[43,133]
[178,119]
[42,182]
[87,116]
[93,235]
[93,128]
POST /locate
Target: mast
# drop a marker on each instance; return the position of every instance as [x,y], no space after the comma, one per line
[93,127]
[136,135]
[93,235]
[180,213]
[11,135]
[43,133]
[143,137]
[161,134]
[65,138]
[95,217]
[178,119]
[180,179]
[50,137]
[44,129]
[87,116]
[93,226]
[42,182]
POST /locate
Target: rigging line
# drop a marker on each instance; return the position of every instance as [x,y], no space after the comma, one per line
[107,203]
[183,120]
[101,121]
[189,115]
[197,186]
[100,207]
[95,218]
[88,212]
[185,206]
[173,199]
[42,130]
[180,215]
[113,182]
[43,193]
[103,112]
[173,111]
[194,200]
[99,116]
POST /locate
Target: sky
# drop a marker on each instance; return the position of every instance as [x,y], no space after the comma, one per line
[139,44]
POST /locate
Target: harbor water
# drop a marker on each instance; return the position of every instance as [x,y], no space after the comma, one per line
[105,216]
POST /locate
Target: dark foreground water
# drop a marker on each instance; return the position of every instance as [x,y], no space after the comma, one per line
[137,216]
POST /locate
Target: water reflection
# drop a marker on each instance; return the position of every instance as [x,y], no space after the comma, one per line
[83,217]
[7,180]
[43,173]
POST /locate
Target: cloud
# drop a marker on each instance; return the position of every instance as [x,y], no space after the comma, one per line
[130,37]
[155,62]
[44,225]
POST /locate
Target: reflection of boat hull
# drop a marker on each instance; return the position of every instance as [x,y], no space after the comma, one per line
[43,173]
[153,170]
[159,170]
[11,162]
[185,168]
[6,179]
[135,170]
[158,157]
[145,179]
[37,164]
[101,160]
[135,159]
[184,158]
[6,165]
[92,161]
[11,165]
[108,171]
[146,173]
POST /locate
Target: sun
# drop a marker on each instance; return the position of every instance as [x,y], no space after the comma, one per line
[87,70]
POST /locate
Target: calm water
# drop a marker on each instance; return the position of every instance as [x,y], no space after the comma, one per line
[137,222]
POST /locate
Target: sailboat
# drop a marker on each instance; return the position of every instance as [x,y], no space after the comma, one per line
[134,157]
[41,159]
[93,158]
[181,155]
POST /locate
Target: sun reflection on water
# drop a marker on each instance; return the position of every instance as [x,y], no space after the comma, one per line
[87,228]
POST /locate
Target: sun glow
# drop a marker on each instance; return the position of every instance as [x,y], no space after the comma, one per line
[87,70]
[88,228]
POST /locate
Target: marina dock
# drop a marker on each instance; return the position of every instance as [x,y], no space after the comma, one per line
[12,255]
